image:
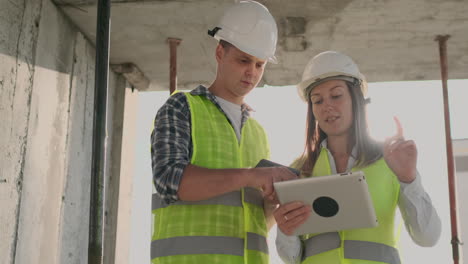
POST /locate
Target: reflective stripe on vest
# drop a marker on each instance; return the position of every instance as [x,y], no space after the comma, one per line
[353,249]
[321,243]
[365,250]
[189,245]
[251,195]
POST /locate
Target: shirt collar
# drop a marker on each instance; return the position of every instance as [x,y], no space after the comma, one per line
[203,91]
[324,144]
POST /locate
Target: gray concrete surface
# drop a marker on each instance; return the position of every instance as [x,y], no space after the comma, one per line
[45,159]
[78,172]
[390,40]
[46,109]
[18,41]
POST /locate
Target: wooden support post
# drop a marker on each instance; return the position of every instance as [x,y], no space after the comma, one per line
[173,43]
[442,39]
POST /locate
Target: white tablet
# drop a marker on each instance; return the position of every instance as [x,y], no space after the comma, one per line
[339,202]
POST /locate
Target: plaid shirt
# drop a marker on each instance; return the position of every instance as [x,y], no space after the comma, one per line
[171,141]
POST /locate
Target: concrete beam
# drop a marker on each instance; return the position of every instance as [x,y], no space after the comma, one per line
[133,75]
[78,3]
[391,41]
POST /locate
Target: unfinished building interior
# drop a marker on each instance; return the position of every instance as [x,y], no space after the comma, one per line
[48,67]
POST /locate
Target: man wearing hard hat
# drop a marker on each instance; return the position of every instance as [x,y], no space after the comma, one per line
[209,202]
[337,142]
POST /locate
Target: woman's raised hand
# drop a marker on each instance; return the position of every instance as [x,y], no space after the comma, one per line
[401,155]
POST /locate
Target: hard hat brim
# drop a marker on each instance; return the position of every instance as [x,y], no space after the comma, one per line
[304,87]
[272,59]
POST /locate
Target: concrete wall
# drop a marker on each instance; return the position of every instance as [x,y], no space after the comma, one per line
[46,110]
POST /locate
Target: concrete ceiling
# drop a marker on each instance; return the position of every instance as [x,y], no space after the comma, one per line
[390,40]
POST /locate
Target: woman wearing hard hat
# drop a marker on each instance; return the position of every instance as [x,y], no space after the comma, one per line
[337,142]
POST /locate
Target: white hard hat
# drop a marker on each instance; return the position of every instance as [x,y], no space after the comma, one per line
[329,65]
[250,27]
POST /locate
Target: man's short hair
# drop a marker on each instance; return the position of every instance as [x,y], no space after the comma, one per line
[226,45]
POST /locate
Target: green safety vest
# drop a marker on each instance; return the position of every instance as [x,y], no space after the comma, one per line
[365,245]
[229,228]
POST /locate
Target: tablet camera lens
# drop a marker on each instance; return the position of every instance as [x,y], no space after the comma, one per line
[325,206]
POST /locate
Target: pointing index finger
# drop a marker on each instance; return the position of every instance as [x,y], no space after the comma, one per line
[399,127]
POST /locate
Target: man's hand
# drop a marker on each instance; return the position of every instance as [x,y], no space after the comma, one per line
[200,183]
[265,177]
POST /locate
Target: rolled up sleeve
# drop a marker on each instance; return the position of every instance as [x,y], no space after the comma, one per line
[170,146]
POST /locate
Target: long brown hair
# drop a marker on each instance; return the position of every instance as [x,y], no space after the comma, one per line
[368,150]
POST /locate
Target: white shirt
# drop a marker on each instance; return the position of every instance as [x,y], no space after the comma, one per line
[421,219]
[234,113]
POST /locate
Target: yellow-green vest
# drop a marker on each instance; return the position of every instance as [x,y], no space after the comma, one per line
[227,229]
[366,245]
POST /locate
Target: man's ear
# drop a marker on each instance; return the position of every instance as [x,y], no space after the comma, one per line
[219,52]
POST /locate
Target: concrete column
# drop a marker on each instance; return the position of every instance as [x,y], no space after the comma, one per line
[127,169]
[119,170]
[54,198]
[18,45]
[46,84]
[76,189]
